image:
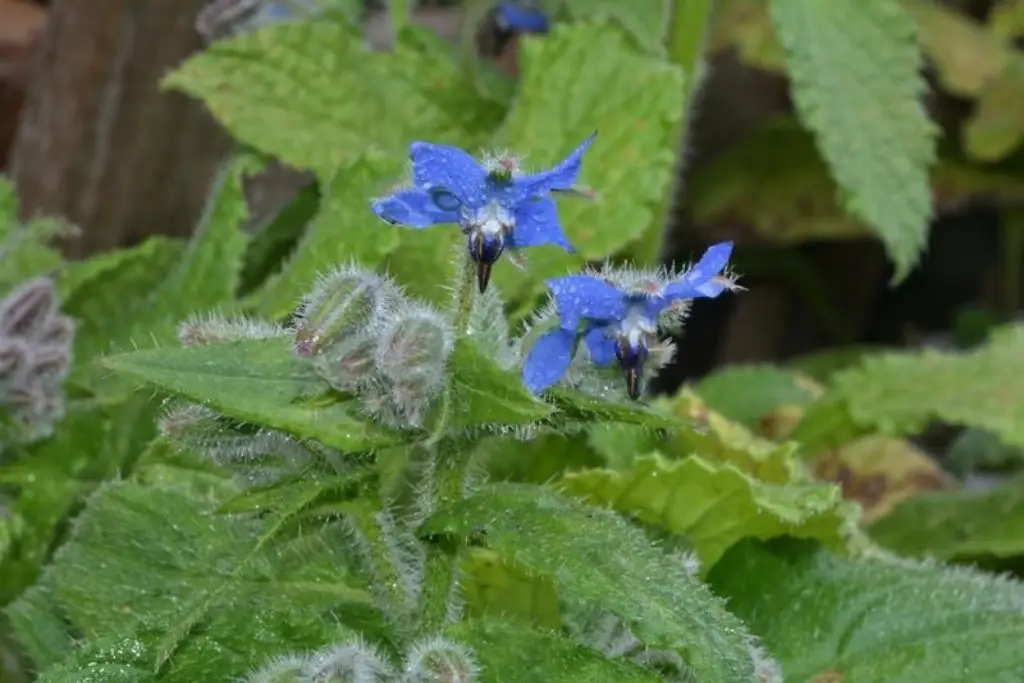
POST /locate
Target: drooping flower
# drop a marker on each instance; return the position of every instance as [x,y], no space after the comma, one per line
[497,206]
[619,317]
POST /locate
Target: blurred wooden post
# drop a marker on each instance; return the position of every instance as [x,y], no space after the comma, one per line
[98,143]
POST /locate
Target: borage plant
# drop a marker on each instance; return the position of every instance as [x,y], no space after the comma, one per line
[414,476]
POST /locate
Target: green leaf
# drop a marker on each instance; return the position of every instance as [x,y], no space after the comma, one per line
[798,201]
[313,95]
[857,83]
[272,245]
[897,393]
[343,231]
[512,653]
[594,556]
[564,97]
[155,253]
[747,393]
[830,619]
[260,382]
[957,525]
[25,251]
[705,433]
[644,20]
[141,553]
[575,406]
[40,632]
[205,278]
[715,506]
[486,393]
[92,444]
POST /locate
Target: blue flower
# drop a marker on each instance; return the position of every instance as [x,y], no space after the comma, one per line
[514,17]
[495,205]
[617,323]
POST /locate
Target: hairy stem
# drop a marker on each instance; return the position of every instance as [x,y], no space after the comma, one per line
[464,301]
[688,22]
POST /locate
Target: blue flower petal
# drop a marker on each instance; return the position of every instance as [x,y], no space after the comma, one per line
[600,345]
[699,281]
[537,223]
[413,208]
[440,167]
[581,297]
[561,177]
[548,359]
[512,16]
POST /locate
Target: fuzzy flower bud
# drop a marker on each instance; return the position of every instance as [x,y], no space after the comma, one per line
[437,660]
[342,303]
[412,351]
[349,363]
[35,356]
[281,670]
[27,310]
[352,662]
[213,328]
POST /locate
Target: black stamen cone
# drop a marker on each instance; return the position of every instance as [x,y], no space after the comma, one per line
[631,360]
[484,250]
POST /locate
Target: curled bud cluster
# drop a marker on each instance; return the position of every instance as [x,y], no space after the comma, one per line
[35,356]
[431,660]
[365,337]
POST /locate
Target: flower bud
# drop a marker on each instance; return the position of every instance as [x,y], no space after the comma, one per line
[14,362]
[349,363]
[414,346]
[49,364]
[437,660]
[353,662]
[342,303]
[59,331]
[280,670]
[27,310]
[213,328]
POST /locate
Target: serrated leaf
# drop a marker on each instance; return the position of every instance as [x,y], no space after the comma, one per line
[747,393]
[830,619]
[139,553]
[260,382]
[92,444]
[956,525]
[797,201]
[899,392]
[313,95]
[596,557]
[343,231]
[879,471]
[715,506]
[643,20]
[486,393]
[564,97]
[509,652]
[492,587]
[713,437]
[102,267]
[857,83]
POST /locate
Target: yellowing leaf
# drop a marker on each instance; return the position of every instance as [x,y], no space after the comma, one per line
[715,506]
[880,471]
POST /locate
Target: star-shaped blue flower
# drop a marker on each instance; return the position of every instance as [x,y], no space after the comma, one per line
[496,207]
[616,324]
